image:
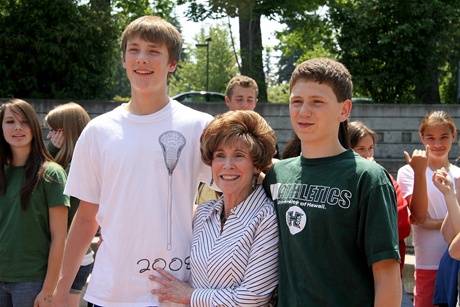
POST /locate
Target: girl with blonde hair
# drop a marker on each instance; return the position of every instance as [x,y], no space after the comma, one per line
[65,123]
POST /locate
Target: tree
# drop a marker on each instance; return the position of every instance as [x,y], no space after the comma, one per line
[55,49]
[278,93]
[249,13]
[191,73]
[305,37]
[66,49]
[396,50]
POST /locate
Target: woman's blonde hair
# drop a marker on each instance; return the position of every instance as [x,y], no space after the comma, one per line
[247,127]
[72,118]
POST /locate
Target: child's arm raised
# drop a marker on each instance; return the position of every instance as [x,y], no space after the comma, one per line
[418,201]
[451,225]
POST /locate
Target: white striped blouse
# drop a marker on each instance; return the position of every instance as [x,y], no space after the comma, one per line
[238,267]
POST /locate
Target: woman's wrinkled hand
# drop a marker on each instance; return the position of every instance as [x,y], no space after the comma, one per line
[174,290]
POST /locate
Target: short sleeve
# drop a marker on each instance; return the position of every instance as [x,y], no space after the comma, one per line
[54,180]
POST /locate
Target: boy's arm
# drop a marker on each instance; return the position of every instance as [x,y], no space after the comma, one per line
[82,231]
[387,283]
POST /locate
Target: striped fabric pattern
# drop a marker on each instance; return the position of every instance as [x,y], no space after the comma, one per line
[238,267]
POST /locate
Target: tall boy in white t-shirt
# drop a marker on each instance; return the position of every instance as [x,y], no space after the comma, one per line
[136,170]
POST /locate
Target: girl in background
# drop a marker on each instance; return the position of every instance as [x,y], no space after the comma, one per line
[33,210]
[363,140]
[426,203]
[65,124]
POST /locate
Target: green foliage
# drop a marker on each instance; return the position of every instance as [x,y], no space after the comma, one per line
[68,49]
[294,9]
[126,11]
[191,73]
[305,37]
[278,93]
[395,49]
[249,14]
[121,99]
[55,49]
[448,83]
[121,85]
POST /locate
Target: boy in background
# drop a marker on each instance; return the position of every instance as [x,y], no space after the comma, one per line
[241,93]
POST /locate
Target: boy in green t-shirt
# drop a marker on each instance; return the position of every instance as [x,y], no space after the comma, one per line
[336,211]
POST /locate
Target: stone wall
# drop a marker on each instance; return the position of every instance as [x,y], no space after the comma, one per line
[396,125]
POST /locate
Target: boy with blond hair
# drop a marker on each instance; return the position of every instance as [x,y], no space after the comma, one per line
[241,94]
[136,171]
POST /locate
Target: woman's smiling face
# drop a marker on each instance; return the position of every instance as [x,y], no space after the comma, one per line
[233,170]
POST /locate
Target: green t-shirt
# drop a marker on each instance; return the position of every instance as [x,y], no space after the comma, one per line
[74,202]
[337,216]
[25,234]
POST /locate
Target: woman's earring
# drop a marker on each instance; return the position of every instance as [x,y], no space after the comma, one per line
[254,182]
[212,181]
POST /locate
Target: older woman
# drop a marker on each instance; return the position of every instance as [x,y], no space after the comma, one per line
[234,256]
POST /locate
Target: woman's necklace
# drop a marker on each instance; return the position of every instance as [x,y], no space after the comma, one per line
[223,219]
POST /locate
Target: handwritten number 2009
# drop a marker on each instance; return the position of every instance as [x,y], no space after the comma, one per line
[174,265]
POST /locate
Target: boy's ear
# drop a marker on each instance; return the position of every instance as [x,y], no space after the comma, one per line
[172,66]
[346,110]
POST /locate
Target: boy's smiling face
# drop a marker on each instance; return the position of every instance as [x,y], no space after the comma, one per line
[315,113]
[147,64]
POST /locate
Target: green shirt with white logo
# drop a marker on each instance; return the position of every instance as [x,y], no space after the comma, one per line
[337,216]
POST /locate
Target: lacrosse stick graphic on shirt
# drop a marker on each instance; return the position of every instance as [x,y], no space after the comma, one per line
[172,143]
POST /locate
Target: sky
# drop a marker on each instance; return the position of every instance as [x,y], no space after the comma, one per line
[268,27]
[190,28]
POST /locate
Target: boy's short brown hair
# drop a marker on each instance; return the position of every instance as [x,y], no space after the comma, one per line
[156,30]
[328,71]
[242,81]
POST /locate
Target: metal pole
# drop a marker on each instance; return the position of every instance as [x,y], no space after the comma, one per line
[207,60]
[207,66]
[458,82]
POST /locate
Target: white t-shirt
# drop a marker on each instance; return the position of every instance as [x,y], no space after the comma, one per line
[144,172]
[429,244]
